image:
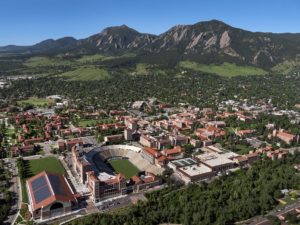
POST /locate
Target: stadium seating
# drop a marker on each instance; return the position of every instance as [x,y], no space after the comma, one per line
[126,151]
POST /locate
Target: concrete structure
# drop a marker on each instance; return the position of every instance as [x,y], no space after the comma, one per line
[189,170]
[101,180]
[217,162]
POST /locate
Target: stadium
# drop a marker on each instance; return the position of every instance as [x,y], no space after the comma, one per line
[123,159]
[114,170]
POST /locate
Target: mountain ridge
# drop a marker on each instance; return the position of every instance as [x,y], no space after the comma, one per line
[205,42]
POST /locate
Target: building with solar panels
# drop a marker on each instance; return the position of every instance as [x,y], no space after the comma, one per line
[189,170]
[50,195]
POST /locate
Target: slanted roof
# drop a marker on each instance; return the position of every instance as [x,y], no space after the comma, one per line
[46,188]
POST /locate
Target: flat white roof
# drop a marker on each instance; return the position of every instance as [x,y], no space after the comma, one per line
[105,176]
[212,148]
[230,155]
[195,170]
[213,159]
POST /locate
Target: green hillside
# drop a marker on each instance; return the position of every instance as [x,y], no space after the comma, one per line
[40,61]
[224,69]
[87,73]
[287,67]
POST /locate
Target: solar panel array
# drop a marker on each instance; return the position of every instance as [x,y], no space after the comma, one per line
[38,183]
[43,187]
[56,185]
[41,194]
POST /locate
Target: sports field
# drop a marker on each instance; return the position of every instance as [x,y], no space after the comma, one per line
[124,167]
[49,164]
[35,166]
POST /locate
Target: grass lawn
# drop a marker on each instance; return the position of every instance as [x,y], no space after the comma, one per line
[87,73]
[35,166]
[242,149]
[124,167]
[50,164]
[225,69]
[86,123]
[34,101]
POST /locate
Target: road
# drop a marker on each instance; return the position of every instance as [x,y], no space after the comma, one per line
[15,189]
[261,220]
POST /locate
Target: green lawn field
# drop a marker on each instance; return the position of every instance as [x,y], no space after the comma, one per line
[124,167]
[49,164]
[34,101]
[225,69]
[35,166]
[87,122]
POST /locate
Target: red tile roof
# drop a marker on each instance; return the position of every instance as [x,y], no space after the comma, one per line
[67,195]
[172,151]
[152,151]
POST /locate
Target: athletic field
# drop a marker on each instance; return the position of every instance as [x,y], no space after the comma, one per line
[124,166]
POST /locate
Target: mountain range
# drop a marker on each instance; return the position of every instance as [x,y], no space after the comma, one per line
[204,42]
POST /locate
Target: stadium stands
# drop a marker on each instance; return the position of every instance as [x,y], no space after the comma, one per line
[132,153]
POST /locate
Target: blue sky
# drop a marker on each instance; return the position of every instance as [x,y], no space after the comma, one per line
[25,22]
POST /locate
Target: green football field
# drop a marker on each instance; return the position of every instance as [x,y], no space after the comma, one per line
[124,167]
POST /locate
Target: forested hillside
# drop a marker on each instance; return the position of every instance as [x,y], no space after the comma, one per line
[224,201]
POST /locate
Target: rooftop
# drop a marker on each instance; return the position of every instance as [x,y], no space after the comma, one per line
[195,170]
[46,188]
[212,159]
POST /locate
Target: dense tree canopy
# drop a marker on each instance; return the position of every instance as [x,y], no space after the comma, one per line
[226,200]
[197,89]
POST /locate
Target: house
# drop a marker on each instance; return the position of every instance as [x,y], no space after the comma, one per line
[209,132]
[150,154]
[144,182]
[114,138]
[147,141]
[33,140]
[277,154]
[252,157]
[174,153]
[242,161]
[284,136]
[140,105]
[61,145]
[22,150]
[243,133]
[131,123]
[178,140]
[71,143]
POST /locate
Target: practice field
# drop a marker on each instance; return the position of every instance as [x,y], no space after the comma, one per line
[124,167]
[49,164]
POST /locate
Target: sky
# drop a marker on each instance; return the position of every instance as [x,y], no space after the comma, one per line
[26,22]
